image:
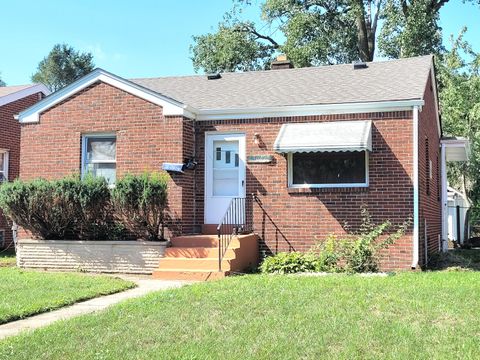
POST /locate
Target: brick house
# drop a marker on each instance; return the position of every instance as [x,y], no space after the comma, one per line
[313,145]
[13,99]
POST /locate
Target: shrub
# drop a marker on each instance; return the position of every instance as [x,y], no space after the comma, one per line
[362,253]
[139,202]
[329,255]
[68,208]
[288,263]
[356,253]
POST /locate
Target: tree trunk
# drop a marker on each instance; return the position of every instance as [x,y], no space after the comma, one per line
[362,33]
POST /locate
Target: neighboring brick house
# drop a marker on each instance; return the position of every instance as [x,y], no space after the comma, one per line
[314,145]
[13,99]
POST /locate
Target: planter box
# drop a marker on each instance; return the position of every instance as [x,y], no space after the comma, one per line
[128,257]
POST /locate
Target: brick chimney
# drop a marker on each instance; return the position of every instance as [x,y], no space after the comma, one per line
[282,63]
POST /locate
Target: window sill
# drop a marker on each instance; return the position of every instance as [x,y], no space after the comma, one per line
[327,190]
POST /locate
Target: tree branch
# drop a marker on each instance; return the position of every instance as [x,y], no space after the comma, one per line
[375,18]
[251,30]
[436,5]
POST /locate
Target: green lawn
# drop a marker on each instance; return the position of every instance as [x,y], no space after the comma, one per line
[23,293]
[406,316]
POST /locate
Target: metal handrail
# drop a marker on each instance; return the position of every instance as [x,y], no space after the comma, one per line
[233,222]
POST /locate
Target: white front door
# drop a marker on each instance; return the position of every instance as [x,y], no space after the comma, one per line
[224,173]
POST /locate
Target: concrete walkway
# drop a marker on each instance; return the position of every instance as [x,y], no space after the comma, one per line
[144,286]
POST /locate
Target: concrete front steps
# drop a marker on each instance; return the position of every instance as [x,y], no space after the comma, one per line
[195,257]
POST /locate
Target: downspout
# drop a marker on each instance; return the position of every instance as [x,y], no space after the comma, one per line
[415,189]
[444,186]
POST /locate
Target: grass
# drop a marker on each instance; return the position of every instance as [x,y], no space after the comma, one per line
[7,258]
[431,315]
[24,293]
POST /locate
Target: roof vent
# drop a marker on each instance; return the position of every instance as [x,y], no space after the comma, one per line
[214,76]
[359,65]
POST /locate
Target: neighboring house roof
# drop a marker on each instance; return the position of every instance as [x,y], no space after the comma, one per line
[393,80]
[9,94]
[382,86]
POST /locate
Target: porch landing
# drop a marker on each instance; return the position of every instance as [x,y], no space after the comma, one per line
[195,257]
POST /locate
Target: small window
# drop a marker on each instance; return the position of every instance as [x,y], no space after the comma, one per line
[99,156]
[3,166]
[328,169]
[2,238]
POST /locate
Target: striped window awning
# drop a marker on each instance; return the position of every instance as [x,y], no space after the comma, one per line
[325,137]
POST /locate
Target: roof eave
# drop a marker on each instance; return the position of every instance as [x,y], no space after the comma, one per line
[170,106]
[306,110]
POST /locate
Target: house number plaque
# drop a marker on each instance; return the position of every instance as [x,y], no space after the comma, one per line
[259,159]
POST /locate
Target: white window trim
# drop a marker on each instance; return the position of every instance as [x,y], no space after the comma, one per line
[2,242]
[325,186]
[4,170]
[84,151]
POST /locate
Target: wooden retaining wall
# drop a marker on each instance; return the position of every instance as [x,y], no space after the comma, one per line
[129,257]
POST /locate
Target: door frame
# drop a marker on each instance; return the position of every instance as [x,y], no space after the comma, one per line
[242,150]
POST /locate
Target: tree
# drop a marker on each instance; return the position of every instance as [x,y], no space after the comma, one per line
[62,66]
[230,49]
[411,28]
[2,83]
[317,32]
[459,86]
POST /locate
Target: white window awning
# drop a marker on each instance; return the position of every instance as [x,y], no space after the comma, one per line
[325,136]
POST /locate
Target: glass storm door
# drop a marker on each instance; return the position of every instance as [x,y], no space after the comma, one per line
[224,173]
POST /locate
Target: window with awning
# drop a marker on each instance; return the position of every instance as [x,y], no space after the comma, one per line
[328,154]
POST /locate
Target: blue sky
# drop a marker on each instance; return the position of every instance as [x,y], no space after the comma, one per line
[140,38]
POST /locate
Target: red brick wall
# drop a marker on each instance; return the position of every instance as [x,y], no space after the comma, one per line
[10,140]
[430,203]
[145,139]
[295,219]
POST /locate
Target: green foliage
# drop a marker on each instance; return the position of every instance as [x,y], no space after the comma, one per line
[357,253]
[410,29]
[315,33]
[458,73]
[231,48]
[140,201]
[2,83]
[363,253]
[289,263]
[319,32]
[62,66]
[68,208]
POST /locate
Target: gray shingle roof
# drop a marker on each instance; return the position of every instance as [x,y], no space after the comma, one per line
[403,79]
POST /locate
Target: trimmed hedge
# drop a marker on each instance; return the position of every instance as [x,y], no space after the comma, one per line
[87,209]
[139,202]
[67,208]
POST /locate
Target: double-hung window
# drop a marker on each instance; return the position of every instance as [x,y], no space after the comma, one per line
[3,165]
[99,156]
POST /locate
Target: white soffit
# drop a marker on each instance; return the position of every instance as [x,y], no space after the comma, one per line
[170,106]
[325,136]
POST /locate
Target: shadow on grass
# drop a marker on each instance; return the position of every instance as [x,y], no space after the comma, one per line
[456,260]
[7,258]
